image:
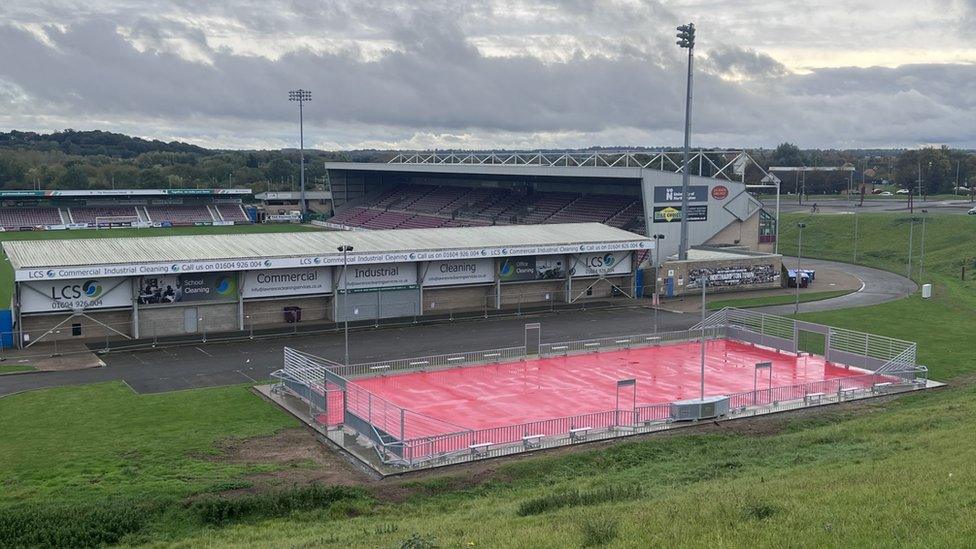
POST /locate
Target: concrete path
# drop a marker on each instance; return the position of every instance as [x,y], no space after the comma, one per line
[225,363]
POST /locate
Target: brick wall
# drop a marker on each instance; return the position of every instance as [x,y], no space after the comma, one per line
[770,265]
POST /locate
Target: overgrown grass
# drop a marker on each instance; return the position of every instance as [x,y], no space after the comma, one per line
[747,302]
[7,273]
[577,498]
[219,511]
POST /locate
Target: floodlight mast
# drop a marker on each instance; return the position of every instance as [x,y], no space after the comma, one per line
[301,96]
[686,40]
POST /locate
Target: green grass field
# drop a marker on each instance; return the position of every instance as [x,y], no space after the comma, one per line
[15,368]
[747,302]
[894,473]
[7,273]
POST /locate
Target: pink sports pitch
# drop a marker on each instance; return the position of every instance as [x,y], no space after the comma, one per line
[496,395]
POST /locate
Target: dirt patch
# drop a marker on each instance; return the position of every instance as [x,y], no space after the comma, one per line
[51,357]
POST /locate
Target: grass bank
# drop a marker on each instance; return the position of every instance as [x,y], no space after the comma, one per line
[748,302]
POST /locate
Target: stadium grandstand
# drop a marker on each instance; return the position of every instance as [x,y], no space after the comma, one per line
[622,190]
[54,210]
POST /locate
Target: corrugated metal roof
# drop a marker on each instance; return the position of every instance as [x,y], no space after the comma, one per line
[36,254]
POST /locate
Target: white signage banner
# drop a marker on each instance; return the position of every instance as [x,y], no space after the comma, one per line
[374,259]
[609,263]
[470,271]
[75,294]
[280,282]
[385,276]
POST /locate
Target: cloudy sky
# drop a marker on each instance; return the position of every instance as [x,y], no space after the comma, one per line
[493,73]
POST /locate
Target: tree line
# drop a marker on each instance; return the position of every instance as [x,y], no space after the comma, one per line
[73,159]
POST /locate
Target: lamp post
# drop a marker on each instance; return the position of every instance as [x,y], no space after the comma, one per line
[856,208]
[704,282]
[686,40]
[799,277]
[911,235]
[301,96]
[921,256]
[657,266]
[345,249]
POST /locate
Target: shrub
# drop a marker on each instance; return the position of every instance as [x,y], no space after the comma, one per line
[598,531]
[576,498]
[223,510]
[88,525]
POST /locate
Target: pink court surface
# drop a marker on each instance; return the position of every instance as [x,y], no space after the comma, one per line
[495,395]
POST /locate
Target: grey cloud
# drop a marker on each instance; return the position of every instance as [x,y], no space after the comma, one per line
[733,61]
[436,81]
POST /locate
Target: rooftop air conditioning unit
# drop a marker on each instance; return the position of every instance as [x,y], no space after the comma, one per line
[695,409]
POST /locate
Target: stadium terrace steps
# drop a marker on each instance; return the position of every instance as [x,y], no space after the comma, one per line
[422,206]
[15,218]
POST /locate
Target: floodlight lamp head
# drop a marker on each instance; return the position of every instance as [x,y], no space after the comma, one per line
[299,95]
[686,36]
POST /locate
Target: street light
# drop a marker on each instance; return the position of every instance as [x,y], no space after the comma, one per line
[301,96]
[799,254]
[921,258]
[345,249]
[704,282]
[911,235]
[686,39]
[657,265]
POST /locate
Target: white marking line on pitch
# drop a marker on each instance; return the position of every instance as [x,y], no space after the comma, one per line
[202,351]
[247,376]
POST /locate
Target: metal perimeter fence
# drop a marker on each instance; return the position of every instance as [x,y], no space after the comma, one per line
[405,439]
[89,332]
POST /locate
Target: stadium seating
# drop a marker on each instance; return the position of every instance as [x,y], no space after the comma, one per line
[15,218]
[180,215]
[411,206]
[89,214]
[232,212]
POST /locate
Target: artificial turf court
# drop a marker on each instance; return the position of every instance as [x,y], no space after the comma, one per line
[497,395]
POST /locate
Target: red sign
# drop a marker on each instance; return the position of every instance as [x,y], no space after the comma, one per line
[720,192]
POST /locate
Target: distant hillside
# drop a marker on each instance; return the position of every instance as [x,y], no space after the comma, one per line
[90,143]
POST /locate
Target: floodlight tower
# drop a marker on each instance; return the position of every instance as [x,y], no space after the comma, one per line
[686,39]
[301,96]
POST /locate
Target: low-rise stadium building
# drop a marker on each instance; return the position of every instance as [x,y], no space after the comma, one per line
[139,288]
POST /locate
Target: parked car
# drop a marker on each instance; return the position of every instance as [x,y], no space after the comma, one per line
[886,193]
[972,211]
[903,191]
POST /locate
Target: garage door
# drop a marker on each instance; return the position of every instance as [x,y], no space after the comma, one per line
[378,304]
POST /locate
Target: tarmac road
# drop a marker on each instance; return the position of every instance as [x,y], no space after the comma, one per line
[871,205]
[226,363]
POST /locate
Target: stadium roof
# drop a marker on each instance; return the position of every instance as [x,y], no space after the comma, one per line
[54,259]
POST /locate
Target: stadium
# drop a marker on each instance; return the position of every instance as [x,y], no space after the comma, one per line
[444,238]
[519,211]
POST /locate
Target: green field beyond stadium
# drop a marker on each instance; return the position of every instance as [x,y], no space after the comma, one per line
[7,273]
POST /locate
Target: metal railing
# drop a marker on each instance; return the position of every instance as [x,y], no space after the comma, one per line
[628,341]
[405,438]
[718,164]
[449,360]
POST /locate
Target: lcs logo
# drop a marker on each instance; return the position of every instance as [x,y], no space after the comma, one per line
[601,262]
[90,289]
